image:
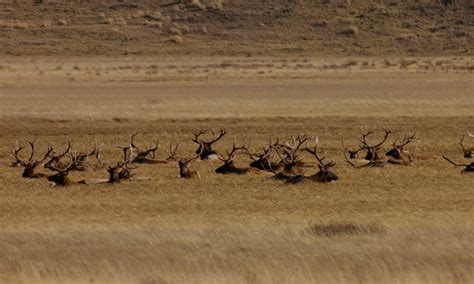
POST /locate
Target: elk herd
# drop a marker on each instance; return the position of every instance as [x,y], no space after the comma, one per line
[282,159]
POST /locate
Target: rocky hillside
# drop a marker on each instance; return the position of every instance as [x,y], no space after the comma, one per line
[244,27]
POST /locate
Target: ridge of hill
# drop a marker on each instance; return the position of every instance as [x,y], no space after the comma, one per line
[249,27]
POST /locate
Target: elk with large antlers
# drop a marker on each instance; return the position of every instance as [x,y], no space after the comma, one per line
[205,149]
[288,154]
[398,154]
[30,164]
[324,175]
[229,167]
[147,156]
[372,157]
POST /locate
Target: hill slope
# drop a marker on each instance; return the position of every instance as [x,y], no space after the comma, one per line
[247,27]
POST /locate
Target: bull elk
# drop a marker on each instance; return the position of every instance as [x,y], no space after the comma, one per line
[229,167]
[147,156]
[372,157]
[398,154]
[61,177]
[30,164]
[288,154]
[205,150]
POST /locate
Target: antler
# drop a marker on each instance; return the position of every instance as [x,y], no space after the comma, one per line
[233,152]
[366,144]
[198,134]
[172,151]
[15,152]
[454,163]
[406,140]
[221,134]
[468,153]
[351,152]
[132,143]
[314,152]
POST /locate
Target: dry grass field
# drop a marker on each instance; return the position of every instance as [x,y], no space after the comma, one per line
[399,224]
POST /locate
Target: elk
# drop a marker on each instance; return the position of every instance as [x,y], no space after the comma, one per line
[147,156]
[61,177]
[468,152]
[185,171]
[30,164]
[289,159]
[324,175]
[398,155]
[372,155]
[55,159]
[229,167]
[468,167]
[205,150]
[261,161]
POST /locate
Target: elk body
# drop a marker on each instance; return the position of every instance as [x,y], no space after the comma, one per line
[205,150]
[185,171]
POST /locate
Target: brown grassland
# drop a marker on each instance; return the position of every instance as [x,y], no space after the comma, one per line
[399,224]
[98,71]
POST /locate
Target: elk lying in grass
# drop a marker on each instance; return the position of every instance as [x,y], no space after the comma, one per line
[205,149]
[398,154]
[147,156]
[372,157]
[262,161]
[30,164]
[288,154]
[229,167]
[185,171]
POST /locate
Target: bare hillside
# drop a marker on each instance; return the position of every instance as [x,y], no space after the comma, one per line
[248,27]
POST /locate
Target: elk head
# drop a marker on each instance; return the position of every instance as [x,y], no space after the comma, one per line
[185,171]
[372,149]
[351,153]
[325,174]
[61,177]
[261,160]
[121,170]
[55,159]
[205,146]
[288,153]
[468,167]
[30,164]
[228,167]
[398,152]
[468,152]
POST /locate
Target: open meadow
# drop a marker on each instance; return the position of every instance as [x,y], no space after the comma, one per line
[397,224]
